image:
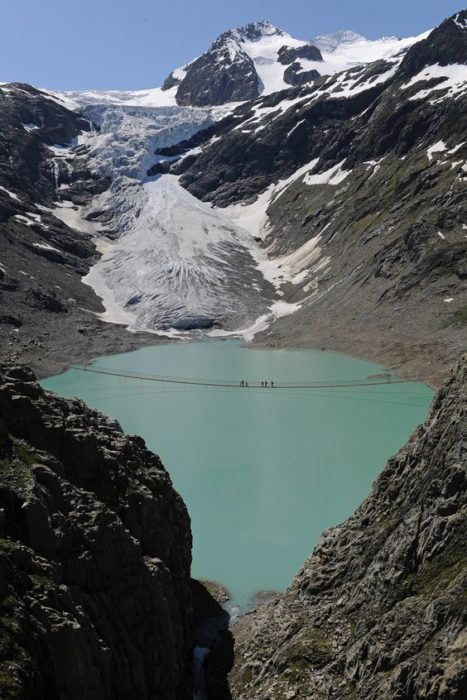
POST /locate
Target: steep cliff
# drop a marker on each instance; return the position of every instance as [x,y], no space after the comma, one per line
[379,610]
[95,554]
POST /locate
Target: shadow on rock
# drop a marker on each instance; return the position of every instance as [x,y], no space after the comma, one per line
[214,644]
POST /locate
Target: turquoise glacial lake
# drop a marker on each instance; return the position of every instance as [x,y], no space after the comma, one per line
[262,471]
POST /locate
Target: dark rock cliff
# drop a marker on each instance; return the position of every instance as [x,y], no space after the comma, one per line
[222,74]
[95,553]
[379,610]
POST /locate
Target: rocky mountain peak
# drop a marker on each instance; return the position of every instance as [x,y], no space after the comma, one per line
[244,63]
[444,46]
[257,30]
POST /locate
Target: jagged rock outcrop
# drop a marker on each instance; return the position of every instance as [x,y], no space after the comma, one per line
[222,74]
[289,54]
[215,78]
[294,75]
[95,553]
[446,45]
[379,610]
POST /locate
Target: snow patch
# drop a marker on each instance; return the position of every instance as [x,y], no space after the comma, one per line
[439,147]
[459,22]
[46,246]
[453,79]
[74,217]
[11,194]
[30,219]
[456,148]
[277,310]
[375,164]
[334,176]
[253,217]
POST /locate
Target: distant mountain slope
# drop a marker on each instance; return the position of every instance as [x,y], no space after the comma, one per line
[244,63]
[334,209]
[260,59]
[360,187]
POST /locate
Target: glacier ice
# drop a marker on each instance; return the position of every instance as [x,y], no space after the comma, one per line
[176,262]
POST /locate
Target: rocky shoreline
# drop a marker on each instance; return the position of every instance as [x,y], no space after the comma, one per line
[410,358]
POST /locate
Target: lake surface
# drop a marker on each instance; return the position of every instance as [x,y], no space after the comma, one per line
[262,471]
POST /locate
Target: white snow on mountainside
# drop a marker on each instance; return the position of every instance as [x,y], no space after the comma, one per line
[154,97]
[340,51]
[175,263]
[347,49]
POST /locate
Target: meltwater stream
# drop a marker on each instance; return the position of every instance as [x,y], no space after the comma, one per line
[263,471]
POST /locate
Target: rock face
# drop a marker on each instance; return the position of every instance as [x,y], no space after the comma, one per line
[95,556]
[224,73]
[294,75]
[220,75]
[446,45]
[378,611]
[232,69]
[289,54]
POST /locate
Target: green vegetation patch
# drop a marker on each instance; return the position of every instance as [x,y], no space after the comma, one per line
[458,318]
[15,469]
[313,647]
[11,653]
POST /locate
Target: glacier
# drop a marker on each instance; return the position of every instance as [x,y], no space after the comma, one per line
[175,264]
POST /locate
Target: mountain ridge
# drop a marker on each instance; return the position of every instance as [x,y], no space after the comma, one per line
[255,78]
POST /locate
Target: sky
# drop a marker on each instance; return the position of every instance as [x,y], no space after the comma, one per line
[134,44]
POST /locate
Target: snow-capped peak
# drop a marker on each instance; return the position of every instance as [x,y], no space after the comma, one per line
[257,59]
[331,42]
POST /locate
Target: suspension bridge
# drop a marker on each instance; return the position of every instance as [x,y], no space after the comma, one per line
[377,380]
